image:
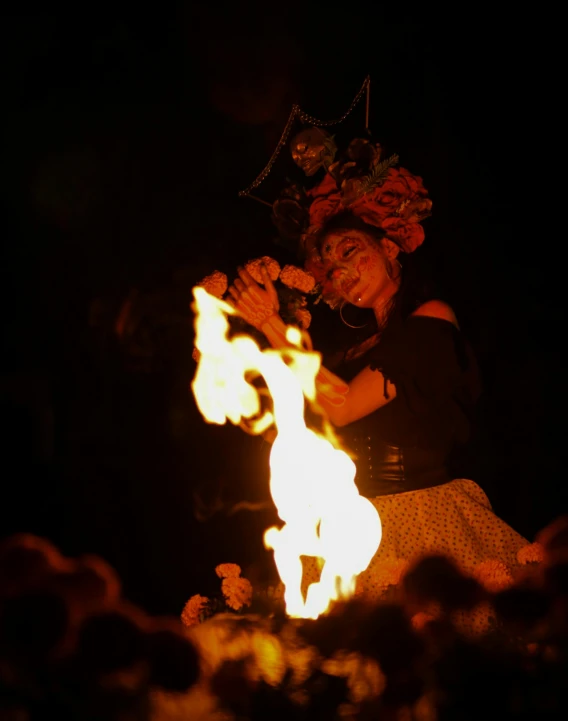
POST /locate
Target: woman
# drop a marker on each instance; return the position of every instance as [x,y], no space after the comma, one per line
[406,410]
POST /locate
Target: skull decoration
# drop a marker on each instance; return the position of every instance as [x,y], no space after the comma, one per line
[312,149]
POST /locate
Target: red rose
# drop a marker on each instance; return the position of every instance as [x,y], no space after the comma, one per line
[323,208]
[326,201]
[397,206]
[326,187]
[381,201]
[414,182]
[401,197]
[417,210]
[408,236]
[398,190]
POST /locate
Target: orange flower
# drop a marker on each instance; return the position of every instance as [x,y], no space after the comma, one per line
[215,284]
[192,610]
[237,592]
[272,266]
[493,575]
[531,553]
[228,570]
[295,277]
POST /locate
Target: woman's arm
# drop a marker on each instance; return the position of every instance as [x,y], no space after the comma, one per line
[343,402]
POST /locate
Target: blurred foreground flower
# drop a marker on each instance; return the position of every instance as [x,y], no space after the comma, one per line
[533,553]
[237,592]
[493,575]
[193,609]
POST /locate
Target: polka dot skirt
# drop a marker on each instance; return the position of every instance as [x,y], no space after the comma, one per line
[454,519]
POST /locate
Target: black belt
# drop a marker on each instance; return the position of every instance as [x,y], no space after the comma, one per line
[383,468]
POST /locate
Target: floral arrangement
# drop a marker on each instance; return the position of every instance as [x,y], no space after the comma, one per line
[406,657]
[293,284]
[237,595]
[72,647]
[397,204]
[367,185]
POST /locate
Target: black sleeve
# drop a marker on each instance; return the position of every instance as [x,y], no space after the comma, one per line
[424,358]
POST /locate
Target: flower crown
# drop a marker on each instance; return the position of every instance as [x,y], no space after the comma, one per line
[390,198]
[358,179]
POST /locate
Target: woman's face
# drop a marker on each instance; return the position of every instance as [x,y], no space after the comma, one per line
[357,265]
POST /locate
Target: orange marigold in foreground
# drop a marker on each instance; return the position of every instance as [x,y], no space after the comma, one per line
[192,610]
[532,553]
[215,284]
[228,570]
[272,266]
[493,575]
[295,277]
[237,592]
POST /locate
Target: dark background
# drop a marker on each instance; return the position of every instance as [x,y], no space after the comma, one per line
[127,136]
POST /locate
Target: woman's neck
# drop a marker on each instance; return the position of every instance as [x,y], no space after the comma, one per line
[383,305]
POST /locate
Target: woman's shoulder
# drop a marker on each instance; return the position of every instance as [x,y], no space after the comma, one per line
[436,309]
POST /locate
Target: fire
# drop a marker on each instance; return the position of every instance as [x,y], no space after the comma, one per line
[311,478]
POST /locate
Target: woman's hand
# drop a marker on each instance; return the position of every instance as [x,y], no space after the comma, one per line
[252,302]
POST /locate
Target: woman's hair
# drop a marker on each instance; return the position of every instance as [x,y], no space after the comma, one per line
[347,221]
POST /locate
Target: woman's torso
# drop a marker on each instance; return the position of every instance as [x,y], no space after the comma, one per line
[415,440]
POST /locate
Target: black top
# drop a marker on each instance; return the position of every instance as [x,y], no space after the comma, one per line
[413,440]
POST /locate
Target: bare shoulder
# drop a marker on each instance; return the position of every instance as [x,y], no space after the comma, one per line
[437,309]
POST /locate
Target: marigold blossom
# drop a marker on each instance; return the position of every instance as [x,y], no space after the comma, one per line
[228,570]
[215,284]
[532,553]
[237,592]
[192,610]
[253,267]
[297,278]
[493,575]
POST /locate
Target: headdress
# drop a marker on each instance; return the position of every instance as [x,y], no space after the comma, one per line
[358,179]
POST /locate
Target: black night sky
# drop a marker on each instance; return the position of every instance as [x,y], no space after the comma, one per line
[127,136]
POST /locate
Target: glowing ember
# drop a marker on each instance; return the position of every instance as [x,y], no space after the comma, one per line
[312,479]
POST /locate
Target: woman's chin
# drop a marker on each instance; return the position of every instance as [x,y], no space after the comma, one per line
[360,298]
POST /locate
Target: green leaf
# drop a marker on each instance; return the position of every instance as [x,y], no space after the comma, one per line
[378,174]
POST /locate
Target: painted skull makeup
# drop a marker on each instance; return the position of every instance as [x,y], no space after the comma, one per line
[357,266]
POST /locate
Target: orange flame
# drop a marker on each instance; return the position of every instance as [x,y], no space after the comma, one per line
[312,479]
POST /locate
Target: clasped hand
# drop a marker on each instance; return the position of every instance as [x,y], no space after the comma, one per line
[252,302]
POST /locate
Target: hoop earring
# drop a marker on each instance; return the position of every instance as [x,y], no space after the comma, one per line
[343,319]
[389,270]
